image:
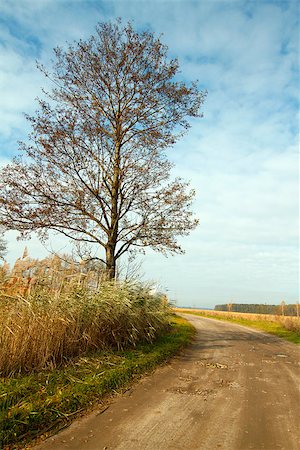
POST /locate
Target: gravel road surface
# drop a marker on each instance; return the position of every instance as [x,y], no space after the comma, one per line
[234,388]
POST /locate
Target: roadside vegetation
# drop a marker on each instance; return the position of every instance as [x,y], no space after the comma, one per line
[56,309]
[48,400]
[45,401]
[46,331]
[68,339]
[285,327]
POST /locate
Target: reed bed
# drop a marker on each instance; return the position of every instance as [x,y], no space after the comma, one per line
[34,404]
[46,328]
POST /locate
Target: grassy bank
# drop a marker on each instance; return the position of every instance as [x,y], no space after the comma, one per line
[287,328]
[35,404]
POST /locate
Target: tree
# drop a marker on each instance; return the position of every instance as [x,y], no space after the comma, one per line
[2,247]
[229,307]
[95,167]
[282,306]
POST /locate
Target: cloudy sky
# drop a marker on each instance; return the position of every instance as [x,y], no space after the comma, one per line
[241,157]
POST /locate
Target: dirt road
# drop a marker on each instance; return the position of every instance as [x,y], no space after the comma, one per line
[234,389]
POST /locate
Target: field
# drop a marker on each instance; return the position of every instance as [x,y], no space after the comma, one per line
[286,327]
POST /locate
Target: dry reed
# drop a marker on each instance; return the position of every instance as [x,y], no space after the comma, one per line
[51,325]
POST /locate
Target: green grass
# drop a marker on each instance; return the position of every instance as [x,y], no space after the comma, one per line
[47,400]
[274,328]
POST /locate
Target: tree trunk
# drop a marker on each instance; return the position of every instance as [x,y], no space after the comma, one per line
[113,232]
[110,272]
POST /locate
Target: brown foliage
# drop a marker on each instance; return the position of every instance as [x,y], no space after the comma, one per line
[95,170]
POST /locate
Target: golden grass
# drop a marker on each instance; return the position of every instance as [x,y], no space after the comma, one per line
[39,402]
[68,312]
[36,333]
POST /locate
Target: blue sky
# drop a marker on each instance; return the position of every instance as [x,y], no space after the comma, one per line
[241,158]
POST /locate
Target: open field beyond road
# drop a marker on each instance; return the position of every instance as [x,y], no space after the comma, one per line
[235,388]
[286,327]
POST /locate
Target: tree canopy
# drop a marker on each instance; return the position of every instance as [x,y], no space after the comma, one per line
[95,167]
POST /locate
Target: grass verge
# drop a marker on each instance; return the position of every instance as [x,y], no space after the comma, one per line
[48,400]
[272,327]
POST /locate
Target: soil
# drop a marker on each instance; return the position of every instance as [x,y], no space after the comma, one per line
[234,388]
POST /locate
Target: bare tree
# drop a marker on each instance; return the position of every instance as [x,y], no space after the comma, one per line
[95,169]
[229,307]
[3,249]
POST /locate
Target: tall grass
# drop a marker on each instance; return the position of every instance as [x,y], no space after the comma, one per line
[36,403]
[50,324]
[289,323]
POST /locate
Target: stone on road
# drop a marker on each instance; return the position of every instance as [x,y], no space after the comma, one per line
[234,388]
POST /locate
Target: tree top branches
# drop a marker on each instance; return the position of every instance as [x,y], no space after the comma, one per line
[95,168]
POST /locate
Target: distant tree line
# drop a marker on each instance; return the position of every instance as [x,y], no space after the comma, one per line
[282,309]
